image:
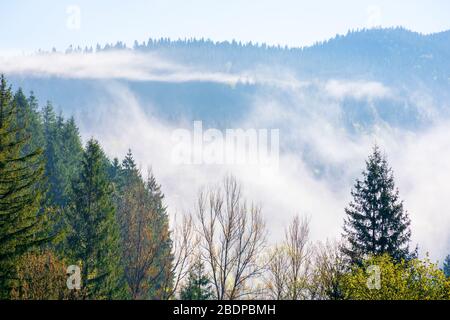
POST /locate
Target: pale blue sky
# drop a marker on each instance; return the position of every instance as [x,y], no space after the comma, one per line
[30,25]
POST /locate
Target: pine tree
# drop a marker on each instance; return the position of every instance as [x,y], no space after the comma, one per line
[55,187]
[63,151]
[114,171]
[71,152]
[94,234]
[447,266]
[36,129]
[20,191]
[139,246]
[161,284]
[376,222]
[144,232]
[28,116]
[198,286]
[130,172]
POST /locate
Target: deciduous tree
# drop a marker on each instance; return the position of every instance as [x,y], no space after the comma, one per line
[289,266]
[233,237]
[407,280]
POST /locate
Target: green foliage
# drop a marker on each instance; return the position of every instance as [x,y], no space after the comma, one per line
[29,117]
[71,152]
[160,229]
[329,268]
[407,280]
[144,231]
[94,233]
[51,153]
[63,152]
[376,222]
[35,123]
[114,172]
[115,226]
[20,189]
[82,191]
[42,276]
[198,286]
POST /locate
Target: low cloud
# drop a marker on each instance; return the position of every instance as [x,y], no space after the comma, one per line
[127,65]
[315,174]
[359,90]
[319,160]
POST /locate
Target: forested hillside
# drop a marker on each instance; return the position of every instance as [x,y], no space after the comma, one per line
[400,71]
[389,55]
[62,203]
[65,206]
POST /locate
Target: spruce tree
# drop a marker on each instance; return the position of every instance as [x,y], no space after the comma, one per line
[94,233]
[29,117]
[55,186]
[144,230]
[63,151]
[376,222]
[130,172]
[164,259]
[71,152]
[20,191]
[114,171]
[36,123]
[198,286]
[140,248]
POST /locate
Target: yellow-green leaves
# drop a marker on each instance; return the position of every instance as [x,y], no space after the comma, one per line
[413,280]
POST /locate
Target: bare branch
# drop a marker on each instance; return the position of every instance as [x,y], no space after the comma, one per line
[232,239]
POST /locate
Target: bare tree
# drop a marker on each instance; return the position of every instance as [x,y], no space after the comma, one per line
[329,267]
[232,239]
[184,246]
[287,277]
[299,254]
[276,275]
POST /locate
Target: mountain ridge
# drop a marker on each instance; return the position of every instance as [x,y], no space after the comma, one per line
[166,41]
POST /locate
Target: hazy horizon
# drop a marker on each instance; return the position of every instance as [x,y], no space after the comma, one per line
[285,23]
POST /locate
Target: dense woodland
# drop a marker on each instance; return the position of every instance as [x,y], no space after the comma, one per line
[65,204]
[387,54]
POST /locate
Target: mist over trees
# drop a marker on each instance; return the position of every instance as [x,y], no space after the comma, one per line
[389,54]
[60,206]
[65,204]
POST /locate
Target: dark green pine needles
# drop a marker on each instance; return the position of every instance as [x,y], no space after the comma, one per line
[376,222]
[94,233]
[20,190]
